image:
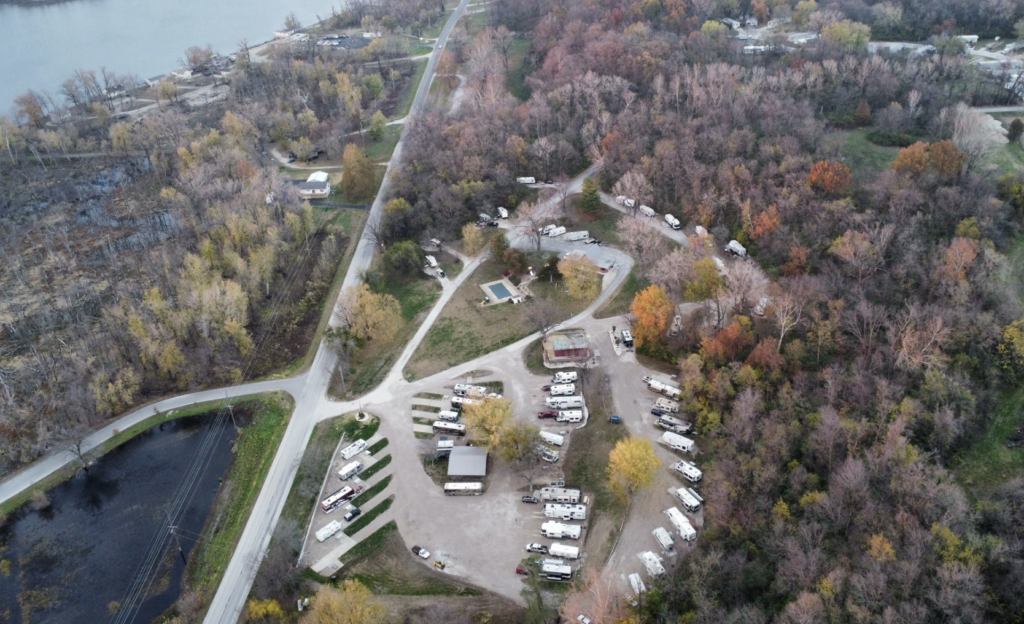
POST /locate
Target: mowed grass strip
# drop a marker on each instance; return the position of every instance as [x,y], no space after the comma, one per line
[365,519]
[370,493]
[379,465]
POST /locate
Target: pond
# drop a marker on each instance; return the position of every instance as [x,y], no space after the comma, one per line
[103,550]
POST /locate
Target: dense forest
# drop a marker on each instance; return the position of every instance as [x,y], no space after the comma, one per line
[834,420]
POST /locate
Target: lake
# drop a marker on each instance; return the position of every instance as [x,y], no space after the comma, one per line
[68,563]
[40,46]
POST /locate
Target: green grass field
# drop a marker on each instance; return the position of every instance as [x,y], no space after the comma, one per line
[988,462]
[864,157]
[381,151]
[517,69]
[620,303]
[409,91]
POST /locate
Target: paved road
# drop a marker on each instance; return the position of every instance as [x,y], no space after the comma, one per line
[657,222]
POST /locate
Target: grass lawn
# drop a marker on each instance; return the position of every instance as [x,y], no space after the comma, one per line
[377,466]
[254,452]
[988,462]
[517,69]
[602,224]
[366,518]
[620,303]
[338,194]
[377,488]
[1008,159]
[465,330]
[409,91]
[371,363]
[587,459]
[533,358]
[864,157]
[380,151]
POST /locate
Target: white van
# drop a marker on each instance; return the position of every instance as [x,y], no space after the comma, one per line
[677,442]
[552,438]
[565,377]
[564,402]
[558,231]
[353,449]
[350,470]
[647,211]
[570,416]
[688,470]
[563,389]
[448,415]
[681,523]
[690,500]
[502,212]
[431,262]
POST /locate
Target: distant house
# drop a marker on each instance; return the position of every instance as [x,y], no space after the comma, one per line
[731,23]
[315,187]
[565,346]
[155,80]
[372,35]
[594,255]
[283,34]
[182,74]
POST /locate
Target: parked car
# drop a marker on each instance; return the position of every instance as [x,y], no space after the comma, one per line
[530,499]
[492,223]
[522,570]
[353,514]
[545,388]
[615,420]
[549,181]
[582,619]
[440,273]
[547,414]
[537,548]
[422,553]
[659,412]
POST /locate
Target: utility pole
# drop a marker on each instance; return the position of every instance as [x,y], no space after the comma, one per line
[178,541]
[231,411]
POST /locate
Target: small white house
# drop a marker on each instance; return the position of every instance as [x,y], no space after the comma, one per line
[316,186]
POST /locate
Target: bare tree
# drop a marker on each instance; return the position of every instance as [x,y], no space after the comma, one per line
[973,135]
[634,185]
[641,241]
[530,217]
[543,315]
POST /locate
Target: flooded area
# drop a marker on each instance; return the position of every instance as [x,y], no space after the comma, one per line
[112,523]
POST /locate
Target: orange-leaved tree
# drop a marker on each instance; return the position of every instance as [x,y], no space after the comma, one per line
[830,177]
[653,311]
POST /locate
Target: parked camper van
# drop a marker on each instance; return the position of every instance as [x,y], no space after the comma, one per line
[681,524]
[350,470]
[353,449]
[563,389]
[560,495]
[677,442]
[552,438]
[688,470]
[686,496]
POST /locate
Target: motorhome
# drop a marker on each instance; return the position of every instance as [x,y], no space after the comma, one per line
[502,212]
[681,524]
[565,377]
[664,540]
[627,338]
[350,470]
[677,442]
[557,530]
[564,402]
[691,500]
[562,550]
[464,489]
[560,495]
[688,470]
[672,222]
[565,512]
[570,416]
[353,449]
[552,438]
[652,563]
[563,389]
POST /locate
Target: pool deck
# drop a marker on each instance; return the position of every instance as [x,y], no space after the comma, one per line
[495,299]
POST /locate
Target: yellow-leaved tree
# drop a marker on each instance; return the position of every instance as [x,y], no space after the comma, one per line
[370,315]
[580,277]
[472,239]
[486,421]
[631,467]
[653,311]
[351,604]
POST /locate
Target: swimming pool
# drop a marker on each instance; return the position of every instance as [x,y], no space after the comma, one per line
[499,290]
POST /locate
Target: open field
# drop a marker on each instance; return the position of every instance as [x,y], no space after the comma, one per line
[409,92]
[466,330]
[517,69]
[988,462]
[864,157]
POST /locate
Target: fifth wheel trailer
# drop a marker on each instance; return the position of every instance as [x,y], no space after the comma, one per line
[677,442]
[552,438]
[329,529]
[557,530]
[689,501]
[565,377]
[577,236]
[350,470]
[681,523]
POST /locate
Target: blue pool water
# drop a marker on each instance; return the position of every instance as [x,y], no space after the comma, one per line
[499,290]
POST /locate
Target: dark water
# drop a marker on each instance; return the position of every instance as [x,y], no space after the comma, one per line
[68,563]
